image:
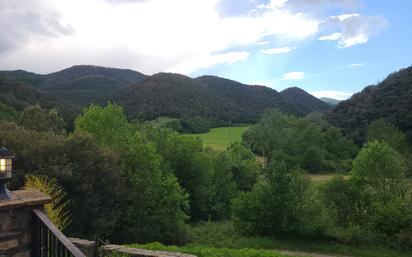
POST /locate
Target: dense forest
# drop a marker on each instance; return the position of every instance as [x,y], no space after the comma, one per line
[217,99]
[129,182]
[304,102]
[15,96]
[200,103]
[134,183]
[390,99]
[79,85]
[310,142]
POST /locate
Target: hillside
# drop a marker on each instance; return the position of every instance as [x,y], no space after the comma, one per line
[390,99]
[80,85]
[26,77]
[330,101]
[221,101]
[251,100]
[174,95]
[303,102]
[18,95]
[217,99]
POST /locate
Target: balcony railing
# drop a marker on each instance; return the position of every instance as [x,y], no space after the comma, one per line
[48,240]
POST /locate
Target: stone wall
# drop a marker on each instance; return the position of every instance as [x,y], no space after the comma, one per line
[135,252]
[15,222]
[15,233]
[86,246]
[89,246]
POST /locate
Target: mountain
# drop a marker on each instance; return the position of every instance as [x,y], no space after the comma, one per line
[26,77]
[218,99]
[80,85]
[18,95]
[390,99]
[251,100]
[330,101]
[303,102]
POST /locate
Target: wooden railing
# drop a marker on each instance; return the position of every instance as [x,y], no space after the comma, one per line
[48,240]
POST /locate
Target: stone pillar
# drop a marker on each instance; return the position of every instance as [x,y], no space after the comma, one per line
[86,246]
[15,222]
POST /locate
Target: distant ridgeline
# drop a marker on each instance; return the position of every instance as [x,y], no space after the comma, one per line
[208,99]
[203,102]
[79,85]
[390,99]
[217,99]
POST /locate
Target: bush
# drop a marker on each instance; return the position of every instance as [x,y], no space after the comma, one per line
[195,125]
[283,204]
[356,235]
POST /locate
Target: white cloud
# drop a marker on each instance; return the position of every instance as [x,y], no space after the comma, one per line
[153,36]
[355,65]
[338,95]
[208,61]
[354,28]
[317,6]
[262,43]
[296,75]
[21,21]
[160,35]
[343,17]
[280,50]
[334,36]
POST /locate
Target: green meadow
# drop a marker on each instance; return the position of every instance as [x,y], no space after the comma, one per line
[220,138]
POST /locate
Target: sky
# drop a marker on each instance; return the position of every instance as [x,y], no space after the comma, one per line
[330,48]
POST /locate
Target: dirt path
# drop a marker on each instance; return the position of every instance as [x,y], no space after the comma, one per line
[299,253]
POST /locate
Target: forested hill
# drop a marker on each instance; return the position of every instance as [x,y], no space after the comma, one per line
[16,95]
[217,99]
[390,99]
[303,102]
[167,94]
[80,85]
[252,100]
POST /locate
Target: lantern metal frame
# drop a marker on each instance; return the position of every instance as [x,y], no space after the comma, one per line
[6,168]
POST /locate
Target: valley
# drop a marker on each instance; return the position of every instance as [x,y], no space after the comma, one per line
[211,128]
[213,165]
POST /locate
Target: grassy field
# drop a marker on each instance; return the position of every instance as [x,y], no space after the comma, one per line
[220,138]
[223,234]
[207,251]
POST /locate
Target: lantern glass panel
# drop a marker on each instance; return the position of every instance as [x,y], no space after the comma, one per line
[3,165]
[8,165]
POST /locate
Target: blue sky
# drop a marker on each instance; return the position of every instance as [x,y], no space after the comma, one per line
[327,47]
[325,65]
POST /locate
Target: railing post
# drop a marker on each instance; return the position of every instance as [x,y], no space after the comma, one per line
[49,234]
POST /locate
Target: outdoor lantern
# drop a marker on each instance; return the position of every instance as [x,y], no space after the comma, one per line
[6,162]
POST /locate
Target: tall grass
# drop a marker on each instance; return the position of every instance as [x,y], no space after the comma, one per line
[57,210]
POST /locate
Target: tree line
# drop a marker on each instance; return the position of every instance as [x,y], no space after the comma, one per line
[371,204]
[130,182]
